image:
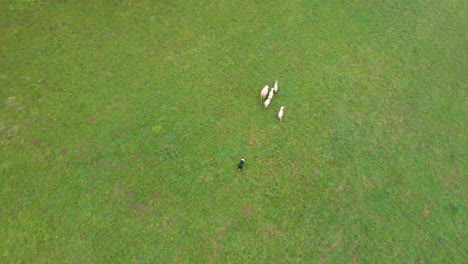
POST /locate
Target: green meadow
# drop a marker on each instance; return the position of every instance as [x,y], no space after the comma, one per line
[122,124]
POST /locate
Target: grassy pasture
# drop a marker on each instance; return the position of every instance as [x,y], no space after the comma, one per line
[122,122]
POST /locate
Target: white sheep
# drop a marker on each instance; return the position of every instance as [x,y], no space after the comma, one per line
[267,102]
[275,88]
[264,92]
[270,95]
[280,114]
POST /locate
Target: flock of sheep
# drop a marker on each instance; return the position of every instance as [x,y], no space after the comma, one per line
[263,95]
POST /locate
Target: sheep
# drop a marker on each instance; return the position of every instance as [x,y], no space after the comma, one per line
[270,95]
[264,92]
[241,164]
[275,88]
[267,102]
[280,114]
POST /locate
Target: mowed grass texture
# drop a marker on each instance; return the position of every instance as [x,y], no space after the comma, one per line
[122,123]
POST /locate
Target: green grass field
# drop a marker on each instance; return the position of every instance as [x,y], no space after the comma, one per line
[122,123]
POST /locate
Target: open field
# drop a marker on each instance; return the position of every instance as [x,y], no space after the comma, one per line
[122,123]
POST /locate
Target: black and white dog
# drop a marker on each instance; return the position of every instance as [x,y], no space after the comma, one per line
[241,164]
